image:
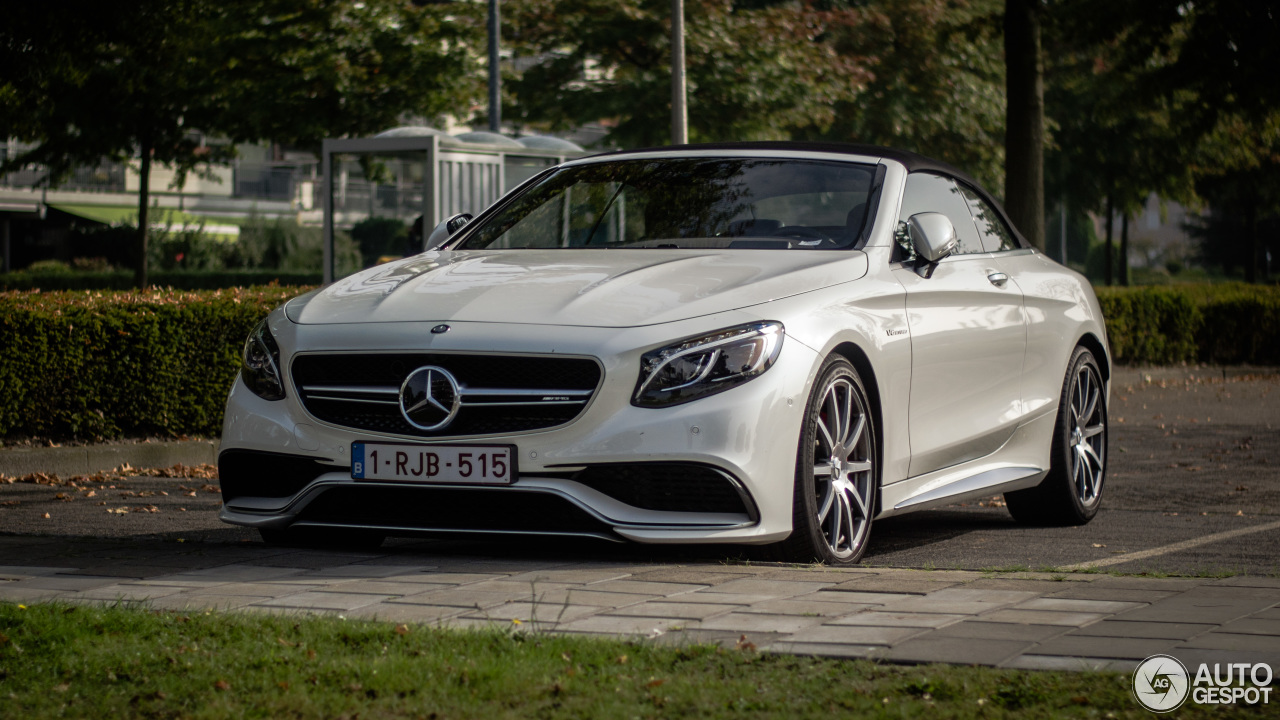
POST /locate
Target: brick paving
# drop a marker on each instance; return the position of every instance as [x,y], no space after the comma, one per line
[1022,619]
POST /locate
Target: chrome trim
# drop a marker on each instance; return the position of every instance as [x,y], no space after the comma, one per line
[366,390]
[521,392]
[523,404]
[352,399]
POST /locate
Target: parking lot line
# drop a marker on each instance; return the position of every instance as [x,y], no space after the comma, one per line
[1172,547]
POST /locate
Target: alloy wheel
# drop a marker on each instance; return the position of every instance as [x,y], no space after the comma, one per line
[842,468]
[1087,435]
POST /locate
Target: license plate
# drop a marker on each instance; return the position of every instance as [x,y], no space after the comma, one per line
[452,464]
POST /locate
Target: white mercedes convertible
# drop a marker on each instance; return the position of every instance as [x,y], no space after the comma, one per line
[771,344]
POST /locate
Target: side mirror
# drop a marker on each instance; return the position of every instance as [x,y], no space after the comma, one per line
[445,230]
[932,235]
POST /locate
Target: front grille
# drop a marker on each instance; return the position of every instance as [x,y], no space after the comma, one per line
[499,393]
[671,487]
[455,509]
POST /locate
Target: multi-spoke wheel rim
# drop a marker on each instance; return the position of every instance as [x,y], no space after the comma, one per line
[1088,439]
[842,468]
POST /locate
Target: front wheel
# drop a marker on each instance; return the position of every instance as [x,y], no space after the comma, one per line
[836,478]
[1072,491]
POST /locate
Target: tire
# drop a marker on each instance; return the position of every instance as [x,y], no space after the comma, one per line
[1071,492]
[836,479]
[322,538]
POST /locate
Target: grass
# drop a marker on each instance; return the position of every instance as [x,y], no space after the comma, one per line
[86,661]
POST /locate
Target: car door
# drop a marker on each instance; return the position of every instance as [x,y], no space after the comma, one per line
[968,338]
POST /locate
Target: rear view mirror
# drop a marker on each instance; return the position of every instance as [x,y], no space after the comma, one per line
[445,230]
[932,235]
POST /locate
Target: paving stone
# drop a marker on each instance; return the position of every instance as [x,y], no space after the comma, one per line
[1105,607]
[806,607]
[692,576]
[1158,584]
[460,598]
[259,588]
[122,571]
[324,600]
[1194,657]
[583,595]
[961,651]
[1111,647]
[864,598]
[527,612]
[1234,641]
[1042,617]
[572,575]
[829,650]
[1080,591]
[771,588]
[178,581]
[999,631]
[1271,614]
[1239,581]
[684,611]
[201,602]
[1198,606]
[817,574]
[14,592]
[66,582]
[756,622]
[288,611]
[469,623]
[958,576]
[646,588]
[891,619]
[1073,664]
[243,573]
[443,578]
[962,601]
[1254,626]
[1042,587]
[1149,630]
[710,596]
[617,625]
[129,592]
[402,613]
[375,587]
[727,639]
[855,634]
[892,584]
[521,590]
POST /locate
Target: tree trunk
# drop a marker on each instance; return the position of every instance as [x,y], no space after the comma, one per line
[1124,249]
[1106,272]
[144,178]
[1024,119]
[1255,258]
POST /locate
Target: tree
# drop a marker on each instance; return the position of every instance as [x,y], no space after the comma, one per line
[753,74]
[87,81]
[937,82]
[1024,126]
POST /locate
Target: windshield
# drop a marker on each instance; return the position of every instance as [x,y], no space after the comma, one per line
[686,203]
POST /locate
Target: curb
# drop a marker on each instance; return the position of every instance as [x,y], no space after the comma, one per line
[89,459]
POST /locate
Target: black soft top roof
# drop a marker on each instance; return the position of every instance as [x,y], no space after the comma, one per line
[913,162]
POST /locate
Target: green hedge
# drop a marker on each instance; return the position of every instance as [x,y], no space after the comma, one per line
[179,280]
[112,364]
[1219,324]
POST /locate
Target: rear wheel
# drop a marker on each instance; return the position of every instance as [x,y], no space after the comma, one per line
[836,479]
[1072,491]
[323,538]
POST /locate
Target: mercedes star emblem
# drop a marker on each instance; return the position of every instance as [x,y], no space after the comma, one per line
[429,398]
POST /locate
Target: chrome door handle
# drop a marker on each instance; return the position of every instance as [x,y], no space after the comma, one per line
[998,279]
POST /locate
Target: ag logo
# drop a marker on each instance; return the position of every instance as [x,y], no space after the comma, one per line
[1161,683]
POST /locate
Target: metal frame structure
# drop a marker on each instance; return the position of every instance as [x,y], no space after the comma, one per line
[441,182]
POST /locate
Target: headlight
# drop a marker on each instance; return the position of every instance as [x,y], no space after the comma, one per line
[260,364]
[706,365]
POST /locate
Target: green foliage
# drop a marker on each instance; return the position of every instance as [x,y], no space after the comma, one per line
[752,74]
[174,279]
[1223,324]
[378,236]
[86,661]
[111,364]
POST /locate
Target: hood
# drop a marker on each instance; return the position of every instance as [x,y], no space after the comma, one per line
[594,288]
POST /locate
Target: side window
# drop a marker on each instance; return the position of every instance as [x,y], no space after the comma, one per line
[996,235]
[933,193]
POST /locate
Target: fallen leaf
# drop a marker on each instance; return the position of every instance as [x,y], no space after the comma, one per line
[655,682]
[62,687]
[745,645]
[222,685]
[622,659]
[1099,545]
[10,503]
[46,515]
[286,643]
[283,685]
[402,629]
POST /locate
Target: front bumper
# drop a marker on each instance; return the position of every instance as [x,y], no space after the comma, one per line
[747,436]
